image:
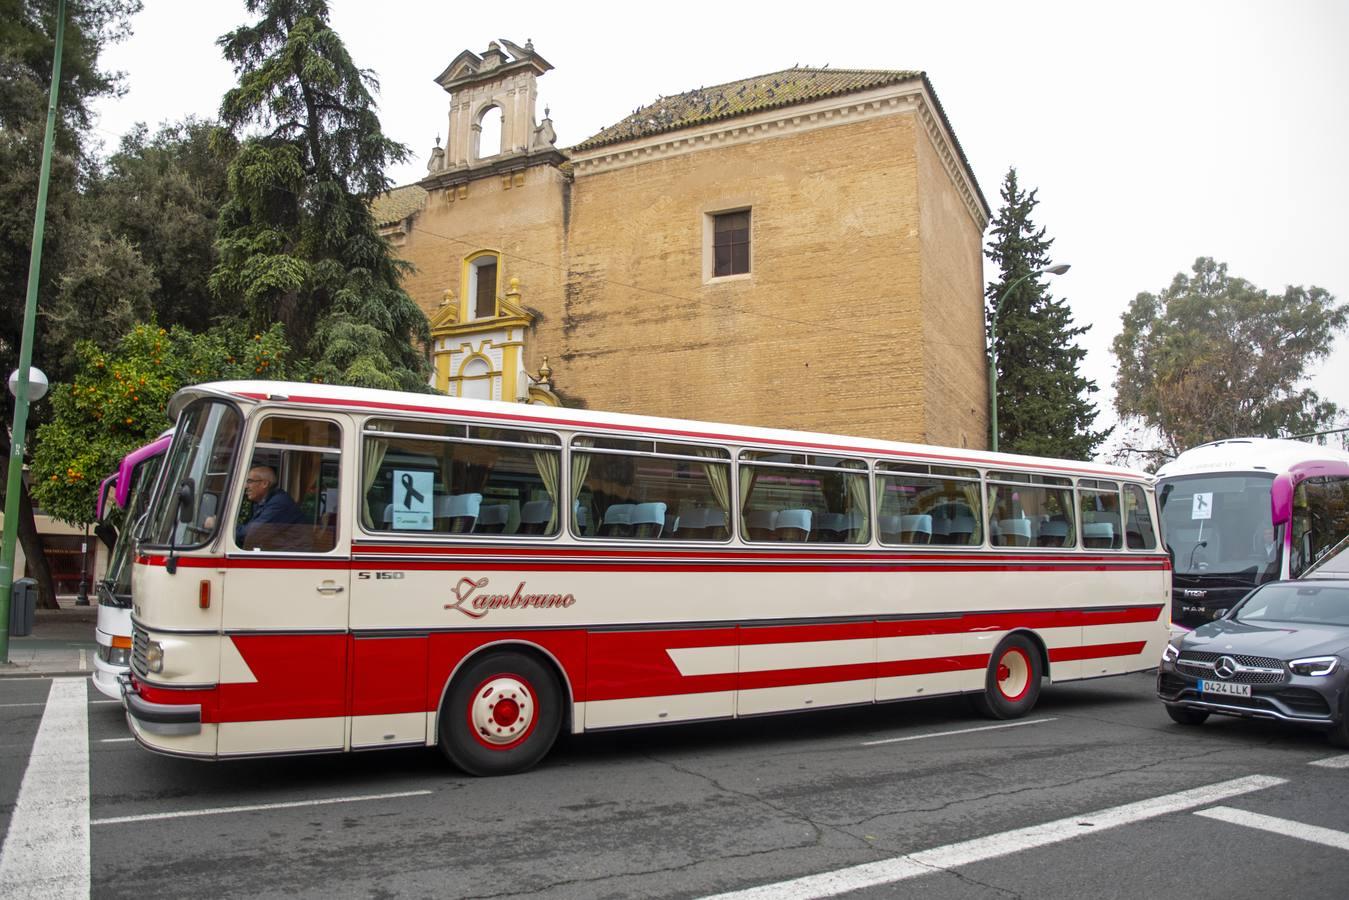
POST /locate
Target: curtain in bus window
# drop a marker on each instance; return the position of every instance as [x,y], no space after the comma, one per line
[971,491]
[546,462]
[718,479]
[580,467]
[375,449]
[859,532]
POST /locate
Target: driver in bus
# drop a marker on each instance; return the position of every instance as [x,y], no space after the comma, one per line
[271,505]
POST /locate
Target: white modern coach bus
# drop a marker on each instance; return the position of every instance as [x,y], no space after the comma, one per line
[482,575]
[1237,513]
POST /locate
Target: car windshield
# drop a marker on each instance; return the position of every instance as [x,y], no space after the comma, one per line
[1296,604]
[1220,525]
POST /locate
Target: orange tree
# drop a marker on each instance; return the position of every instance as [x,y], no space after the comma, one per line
[117,402]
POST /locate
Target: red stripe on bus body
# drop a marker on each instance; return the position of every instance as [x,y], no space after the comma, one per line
[800,564]
[306,676]
[1096,651]
[679,432]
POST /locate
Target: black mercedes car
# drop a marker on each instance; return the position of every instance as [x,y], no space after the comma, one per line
[1282,653]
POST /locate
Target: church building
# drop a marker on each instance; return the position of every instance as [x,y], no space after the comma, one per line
[800,249]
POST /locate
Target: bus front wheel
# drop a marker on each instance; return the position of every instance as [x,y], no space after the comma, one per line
[1012,684]
[501,714]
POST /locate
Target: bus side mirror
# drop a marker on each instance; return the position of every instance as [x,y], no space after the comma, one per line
[185,502]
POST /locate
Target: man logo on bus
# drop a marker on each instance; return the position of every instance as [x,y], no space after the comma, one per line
[471,600]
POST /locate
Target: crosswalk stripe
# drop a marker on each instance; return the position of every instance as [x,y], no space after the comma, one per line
[927,862]
[1334,762]
[46,852]
[1286,827]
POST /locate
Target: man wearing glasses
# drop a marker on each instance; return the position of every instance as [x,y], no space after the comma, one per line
[272,507]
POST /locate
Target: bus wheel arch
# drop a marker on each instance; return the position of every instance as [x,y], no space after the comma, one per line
[1012,679]
[502,709]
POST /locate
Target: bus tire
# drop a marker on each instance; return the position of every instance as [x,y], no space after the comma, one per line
[501,714]
[1186,715]
[1012,684]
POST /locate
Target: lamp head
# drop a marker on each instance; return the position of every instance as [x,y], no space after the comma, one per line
[1057,270]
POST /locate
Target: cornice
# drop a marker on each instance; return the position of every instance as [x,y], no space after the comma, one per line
[908,97]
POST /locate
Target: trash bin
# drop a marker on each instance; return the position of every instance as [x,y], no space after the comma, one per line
[22,607]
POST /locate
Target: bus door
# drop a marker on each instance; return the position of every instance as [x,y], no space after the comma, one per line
[283,660]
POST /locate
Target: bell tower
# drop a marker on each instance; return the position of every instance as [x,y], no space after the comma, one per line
[500,82]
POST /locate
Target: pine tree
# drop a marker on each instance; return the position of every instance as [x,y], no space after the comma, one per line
[297,241]
[1043,403]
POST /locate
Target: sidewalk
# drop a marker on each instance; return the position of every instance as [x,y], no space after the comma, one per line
[62,643]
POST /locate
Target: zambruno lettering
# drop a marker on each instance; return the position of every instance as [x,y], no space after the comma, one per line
[472,601]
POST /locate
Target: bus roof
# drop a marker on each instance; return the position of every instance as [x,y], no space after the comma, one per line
[1273,455]
[333,397]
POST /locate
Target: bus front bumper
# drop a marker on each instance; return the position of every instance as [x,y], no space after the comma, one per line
[158,718]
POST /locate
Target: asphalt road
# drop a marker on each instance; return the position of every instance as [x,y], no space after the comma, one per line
[1097,794]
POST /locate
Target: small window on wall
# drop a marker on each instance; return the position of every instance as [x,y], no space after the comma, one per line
[803,497]
[427,477]
[291,487]
[1030,510]
[1098,502]
[730,243]
[482,287]
[925,504]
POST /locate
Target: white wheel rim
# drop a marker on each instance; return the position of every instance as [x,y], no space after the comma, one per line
[501,711]
[1013,674]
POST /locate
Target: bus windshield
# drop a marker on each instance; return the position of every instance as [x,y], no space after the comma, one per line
[192,492]
[115,589]
[1220,527]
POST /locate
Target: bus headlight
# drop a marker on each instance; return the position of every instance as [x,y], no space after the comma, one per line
[1315,665]
[154,656]
[1170,653]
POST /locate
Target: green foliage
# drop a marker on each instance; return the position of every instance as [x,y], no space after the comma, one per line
[161,195]
[1212,356]
[27,37]
[1043,403]
[297,242]
[117,399]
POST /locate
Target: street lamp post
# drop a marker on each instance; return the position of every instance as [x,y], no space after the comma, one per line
[993,344]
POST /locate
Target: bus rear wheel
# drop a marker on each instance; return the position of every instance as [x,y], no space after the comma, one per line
[501,714]
[1012,684]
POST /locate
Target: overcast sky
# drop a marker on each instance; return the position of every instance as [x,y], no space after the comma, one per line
[1155,132]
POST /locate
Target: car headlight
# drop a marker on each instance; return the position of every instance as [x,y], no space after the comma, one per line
[1315,665]
[1170,653]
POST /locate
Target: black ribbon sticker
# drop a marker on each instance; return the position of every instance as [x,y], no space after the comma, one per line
[412,492]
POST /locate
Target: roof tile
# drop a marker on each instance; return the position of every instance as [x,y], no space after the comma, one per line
[736,98]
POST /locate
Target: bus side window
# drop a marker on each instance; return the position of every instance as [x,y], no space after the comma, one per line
[440,478]
[1138,529]
[291,487]
[659,491]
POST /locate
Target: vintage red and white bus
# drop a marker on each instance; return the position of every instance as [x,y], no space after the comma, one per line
[482,575]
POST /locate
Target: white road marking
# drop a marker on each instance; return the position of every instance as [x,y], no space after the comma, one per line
[115,740]
[17,705]
[919,737]
[224,810]
[1334,762]
[118,702]
[46,852]
[1286,827]
[84,666]
[927,862]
